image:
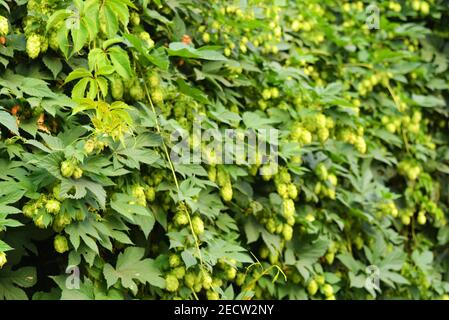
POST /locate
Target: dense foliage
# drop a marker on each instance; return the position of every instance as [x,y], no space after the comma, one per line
[91,92]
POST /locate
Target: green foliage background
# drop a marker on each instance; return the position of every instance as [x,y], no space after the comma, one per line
[90,92]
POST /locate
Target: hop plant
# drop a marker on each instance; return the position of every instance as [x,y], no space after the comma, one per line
[153,79]
[287,232]
[312,287]
[157,96]
[171,283]
[117,88]
[77,173]
[181,218]
[89,146]
[226,192]
[288,208]
[328,291]
[4,26]
[3,259]
[60,243]
[150,193]
[53,206]
[135,18]
[145,36]
[67,168]
[198,225]
[33,46]
[136,91]
[174,260]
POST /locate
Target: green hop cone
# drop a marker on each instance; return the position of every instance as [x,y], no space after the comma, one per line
[189,279]
[53,41]
[222,177]
[332,178]
[157,96]
[212,295]
[212,173]
[312,288]
[292,191]
[61,221]
[44,44]
[231,273]
[321,171]
[360,145]
[330,256]
[136,91]
[153,79]
[288,208]
[174,260]
[57,192]
[207,281]
[282,190]
[33,46]
[135,18]
[77,173]
[198,225]
[320,280]
[53,206]
[226,192]
[3,259]
[60,243]
[89,146]
[29,210]
[117,88]
[328,291]
[67,168]
[39,222]
[179,272]
[206,37]
[171,283]
[287,232]
[150,194]
[422,218]
[4,26]
[181,218]
[145,36]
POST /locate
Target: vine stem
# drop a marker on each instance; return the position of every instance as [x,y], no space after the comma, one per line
[172,169]
[263,273]
[396,102]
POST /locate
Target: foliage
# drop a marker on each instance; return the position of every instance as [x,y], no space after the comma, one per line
[91,92]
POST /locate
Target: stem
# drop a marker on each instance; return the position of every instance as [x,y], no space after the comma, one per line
[172,169]
[396,102]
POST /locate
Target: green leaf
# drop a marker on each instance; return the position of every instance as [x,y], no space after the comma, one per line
[3,245]
[131,269]
[57,17]
[79,36]
[11,283]
[188,258]
[192,92]
[428,101]
[128,206]
[221,249]
[180,49]
[8,121]
[120,60]
[109,18]
[53,64]
[77,74]
[350,263]
[80,88]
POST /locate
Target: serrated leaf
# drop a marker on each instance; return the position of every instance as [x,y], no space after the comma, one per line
[131,269]
[8,121]
[120,60]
